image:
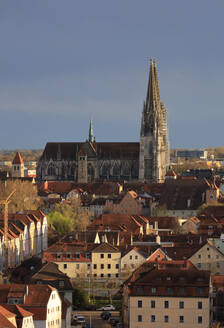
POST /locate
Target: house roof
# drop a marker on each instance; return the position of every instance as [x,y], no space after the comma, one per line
[105,248]
[171,282]
[183,194]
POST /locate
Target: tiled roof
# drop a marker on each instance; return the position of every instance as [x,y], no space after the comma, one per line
[172,282]
[17,159]
[5,323]
[177,193]
[113,150]
[213,210]
[106,248]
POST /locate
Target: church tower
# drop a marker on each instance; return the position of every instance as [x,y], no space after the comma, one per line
[18,166]
[154,144]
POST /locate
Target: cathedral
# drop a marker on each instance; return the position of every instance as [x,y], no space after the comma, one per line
[92,161]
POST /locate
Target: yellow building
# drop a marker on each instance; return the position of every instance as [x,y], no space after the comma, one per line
[170,297]
[106,261]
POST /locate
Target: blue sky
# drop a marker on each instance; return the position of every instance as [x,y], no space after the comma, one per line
[62,62]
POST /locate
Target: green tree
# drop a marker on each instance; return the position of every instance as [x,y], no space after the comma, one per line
[80,297]
[68,217]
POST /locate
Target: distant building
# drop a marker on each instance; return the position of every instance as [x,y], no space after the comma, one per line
[89,161]
[191,153]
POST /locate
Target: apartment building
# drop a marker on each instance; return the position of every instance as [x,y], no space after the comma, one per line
[167,297]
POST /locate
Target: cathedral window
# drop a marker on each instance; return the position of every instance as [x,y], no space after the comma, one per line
[51,169]
[116,170]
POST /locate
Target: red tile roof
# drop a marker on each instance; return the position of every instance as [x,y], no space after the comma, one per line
[18,159]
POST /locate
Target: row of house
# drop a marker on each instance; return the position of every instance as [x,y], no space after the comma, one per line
[27,236]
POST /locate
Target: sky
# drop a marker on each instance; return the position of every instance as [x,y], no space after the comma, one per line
[64,62]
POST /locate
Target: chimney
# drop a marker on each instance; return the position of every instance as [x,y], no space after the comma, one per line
[158,239]
[131,239]
[147,228]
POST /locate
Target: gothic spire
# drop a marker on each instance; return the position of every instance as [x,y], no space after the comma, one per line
[91,137]
[152,93]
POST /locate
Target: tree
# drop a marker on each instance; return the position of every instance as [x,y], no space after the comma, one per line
[24,198]
[80,297]
[68,217]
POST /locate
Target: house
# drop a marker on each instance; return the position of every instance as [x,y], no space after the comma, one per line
[73,258]
[129,203]
[43,302]
[172,296]
[182,198]
[106,261]
[131,259]
[24,318]
[208,257]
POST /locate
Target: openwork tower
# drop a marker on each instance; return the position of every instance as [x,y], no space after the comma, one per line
[154,144]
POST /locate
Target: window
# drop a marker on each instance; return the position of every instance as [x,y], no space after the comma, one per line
[58,256]
[139,290]
[153,304]
[109,256]
[136,257]
[102,256]
[209,256]
[139,303]
[102,266]
[108,266]
[199,265]
[169,290]
[77,255]
[88,265]
[130,257]
[108,275]
[181,305]
[181,319]
[77,266]
[207,248]
[95,266]
[166,318]
[217,256]
[200,290]
[102,275]
[181,290]
[199,305]
[153,318]
[95,275]
[61,283]
[200,319]
[139,318]
[68,255]
[116,275]
[65,266]
[117,266]
[199,256]
[153,290]
[166,304]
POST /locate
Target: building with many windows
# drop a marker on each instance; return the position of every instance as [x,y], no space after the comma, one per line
[167,296]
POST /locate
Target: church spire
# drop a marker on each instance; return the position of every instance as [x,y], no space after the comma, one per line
[91,137]
[152,92]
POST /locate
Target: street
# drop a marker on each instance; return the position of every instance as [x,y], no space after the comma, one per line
[93,318]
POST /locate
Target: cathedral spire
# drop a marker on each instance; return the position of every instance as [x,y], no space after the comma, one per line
[152,94]
[91,137]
